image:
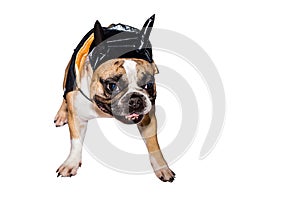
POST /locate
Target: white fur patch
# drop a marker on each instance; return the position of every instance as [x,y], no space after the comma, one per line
[76,146]
[75,154]
[131,72]
[155,164]
[84,108]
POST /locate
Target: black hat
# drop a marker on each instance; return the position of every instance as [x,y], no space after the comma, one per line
[120,41]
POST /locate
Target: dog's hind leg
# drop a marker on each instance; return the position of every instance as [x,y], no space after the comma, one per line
[148,130]
[77,127]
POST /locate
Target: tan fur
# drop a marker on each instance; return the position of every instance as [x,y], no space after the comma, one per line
[144,66]
[114,67]
[72,122]
[108,69]
[148,130]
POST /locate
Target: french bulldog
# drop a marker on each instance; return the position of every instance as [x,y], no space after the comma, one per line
[112,76]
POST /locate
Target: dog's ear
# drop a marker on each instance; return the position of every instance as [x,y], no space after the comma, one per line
[153,65]
[145,32]
[98,33]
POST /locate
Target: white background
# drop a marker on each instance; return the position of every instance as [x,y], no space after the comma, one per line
[255,46]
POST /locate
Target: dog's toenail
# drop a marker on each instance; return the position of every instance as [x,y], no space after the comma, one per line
[173,173]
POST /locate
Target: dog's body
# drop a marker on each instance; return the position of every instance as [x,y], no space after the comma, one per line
[123,88]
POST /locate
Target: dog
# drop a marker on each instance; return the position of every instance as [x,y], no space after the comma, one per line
[111,74]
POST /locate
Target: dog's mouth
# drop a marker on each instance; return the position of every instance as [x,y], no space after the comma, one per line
[105,107]
[132,118]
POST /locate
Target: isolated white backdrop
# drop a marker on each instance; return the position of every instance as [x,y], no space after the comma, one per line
[255,46]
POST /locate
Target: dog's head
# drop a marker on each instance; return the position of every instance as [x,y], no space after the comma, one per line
[125,88]
[123,82]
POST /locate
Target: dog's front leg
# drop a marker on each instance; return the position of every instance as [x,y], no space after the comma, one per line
[148,130]
[77,127]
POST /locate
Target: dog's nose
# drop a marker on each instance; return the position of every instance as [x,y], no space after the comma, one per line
[136,102]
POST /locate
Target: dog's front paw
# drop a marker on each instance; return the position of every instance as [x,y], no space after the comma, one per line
[68,168]
[165,174]
[61,117]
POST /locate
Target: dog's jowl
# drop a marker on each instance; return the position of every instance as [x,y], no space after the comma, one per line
[111,74]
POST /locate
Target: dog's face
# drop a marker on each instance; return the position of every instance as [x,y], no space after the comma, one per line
[125,88]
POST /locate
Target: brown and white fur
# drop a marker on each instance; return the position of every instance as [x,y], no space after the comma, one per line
[76,110]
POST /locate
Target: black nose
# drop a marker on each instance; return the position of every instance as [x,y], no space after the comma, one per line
[136,103]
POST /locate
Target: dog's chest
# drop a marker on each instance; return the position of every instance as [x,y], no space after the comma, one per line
[83,106]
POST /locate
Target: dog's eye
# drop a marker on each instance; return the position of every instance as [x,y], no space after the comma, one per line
[111,87]
[148,86]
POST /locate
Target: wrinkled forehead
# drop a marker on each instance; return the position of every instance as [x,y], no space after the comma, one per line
[125,68]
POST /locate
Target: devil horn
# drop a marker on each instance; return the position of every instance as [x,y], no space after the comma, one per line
[98,33]
[145,32]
